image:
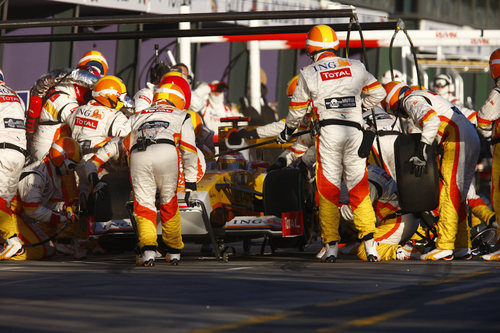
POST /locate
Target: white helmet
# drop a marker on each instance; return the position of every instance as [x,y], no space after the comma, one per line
[398,76]
[443,86]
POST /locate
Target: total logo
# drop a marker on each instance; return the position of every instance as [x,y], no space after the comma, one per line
[335,74]
[89,123]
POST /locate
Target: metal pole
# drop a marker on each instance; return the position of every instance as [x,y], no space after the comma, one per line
[184,43]
[175,18]
[175,33]
[254,70]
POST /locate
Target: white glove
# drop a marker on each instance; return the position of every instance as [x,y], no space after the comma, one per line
[419,159]
[485,132]
[346,213]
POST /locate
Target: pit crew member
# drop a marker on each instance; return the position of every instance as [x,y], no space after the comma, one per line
[54,96]
[12,160]
[156,131]
[459,148]
[43,198]
[489,126]
[334,86]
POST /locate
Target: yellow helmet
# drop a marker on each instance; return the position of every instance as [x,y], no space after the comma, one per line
[172,93]
[321,38]
[110,91]
[94,59]
[196,120]
[179,80]
[292,84]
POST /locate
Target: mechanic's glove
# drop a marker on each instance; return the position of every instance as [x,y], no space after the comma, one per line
[190,187]
[246,134]
[93,179]
[236,137]
[71,215]
[346,213]
[97,184]
[486,133]
[314,127]
[285,135]
[492,223]
[100,187]
[419,159]
[280,163]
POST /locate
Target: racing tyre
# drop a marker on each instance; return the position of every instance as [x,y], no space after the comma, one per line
[416,194]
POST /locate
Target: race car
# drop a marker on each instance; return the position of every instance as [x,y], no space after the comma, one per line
[237,200]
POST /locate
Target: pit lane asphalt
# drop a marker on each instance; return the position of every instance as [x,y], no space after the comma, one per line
[289,291]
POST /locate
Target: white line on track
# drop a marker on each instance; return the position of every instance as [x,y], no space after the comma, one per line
[466,286]
[237,268]
[9,268]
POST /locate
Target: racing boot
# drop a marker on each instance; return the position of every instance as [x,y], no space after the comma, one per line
[371,248]
[79,248]
[438,254]
[407,252]
[321,252]
[173,258]
[463,253]
[493,256]
[12,247]
[331,252]
[147,258]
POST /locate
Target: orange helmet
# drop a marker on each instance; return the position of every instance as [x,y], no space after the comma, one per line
[395,92]
[65,154]
[321,38]
[176,78]
[495,64]
[196,120]
[110,91]
[292,84]
[171,93]
[94,59]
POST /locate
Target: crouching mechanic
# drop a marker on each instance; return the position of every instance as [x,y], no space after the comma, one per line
[459,149]
[42,198]
[156,133]
[489,125]
[394,227]
[12,159]
[334,86]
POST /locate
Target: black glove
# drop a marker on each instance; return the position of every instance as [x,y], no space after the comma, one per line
[93,179]
[419,159]
[236,137]
[245,134]
[492,223]
[280,163]
[190,187]
[285,135]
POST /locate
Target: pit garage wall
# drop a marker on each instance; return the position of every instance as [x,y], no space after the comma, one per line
[279,66]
